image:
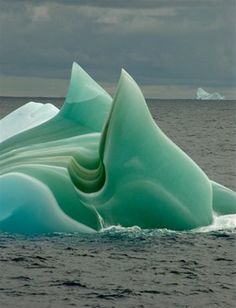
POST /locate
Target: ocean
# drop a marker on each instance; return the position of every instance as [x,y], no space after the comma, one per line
[130,267]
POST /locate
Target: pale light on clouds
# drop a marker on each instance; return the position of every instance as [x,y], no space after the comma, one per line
[40,13]
[175,43]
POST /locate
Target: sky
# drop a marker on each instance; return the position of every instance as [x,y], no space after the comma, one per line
[170,47]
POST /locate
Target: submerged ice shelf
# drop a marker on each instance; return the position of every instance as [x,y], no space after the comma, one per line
[99,162]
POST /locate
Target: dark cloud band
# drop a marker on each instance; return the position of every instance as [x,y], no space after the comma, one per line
[167,42]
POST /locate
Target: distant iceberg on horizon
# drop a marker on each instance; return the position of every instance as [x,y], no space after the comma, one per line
[202,94]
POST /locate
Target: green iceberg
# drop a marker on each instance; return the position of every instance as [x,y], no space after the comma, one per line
[100,162]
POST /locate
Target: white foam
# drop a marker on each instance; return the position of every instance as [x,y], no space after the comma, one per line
[225,222]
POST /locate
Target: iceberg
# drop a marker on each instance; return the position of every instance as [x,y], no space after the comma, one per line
[202,94]
[100,162]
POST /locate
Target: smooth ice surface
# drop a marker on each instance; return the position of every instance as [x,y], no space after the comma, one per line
[25,117]
[32,207]
[99,163]
[202,94]
[223,199]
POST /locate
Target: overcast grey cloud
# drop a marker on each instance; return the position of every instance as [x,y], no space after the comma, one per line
[172,42]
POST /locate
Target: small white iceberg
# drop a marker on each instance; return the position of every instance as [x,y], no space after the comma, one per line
[202,94]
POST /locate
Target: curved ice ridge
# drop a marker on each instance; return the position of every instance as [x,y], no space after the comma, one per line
[99,162]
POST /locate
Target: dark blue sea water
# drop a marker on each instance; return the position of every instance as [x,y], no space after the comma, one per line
[131,267]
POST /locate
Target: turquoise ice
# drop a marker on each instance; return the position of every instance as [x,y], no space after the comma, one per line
[100,162]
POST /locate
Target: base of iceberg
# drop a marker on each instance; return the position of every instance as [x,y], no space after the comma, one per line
[97,163]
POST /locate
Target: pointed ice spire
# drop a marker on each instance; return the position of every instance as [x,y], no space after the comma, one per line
[129,118]
[86,102]
[85,110]
[82,87]
[155,183]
